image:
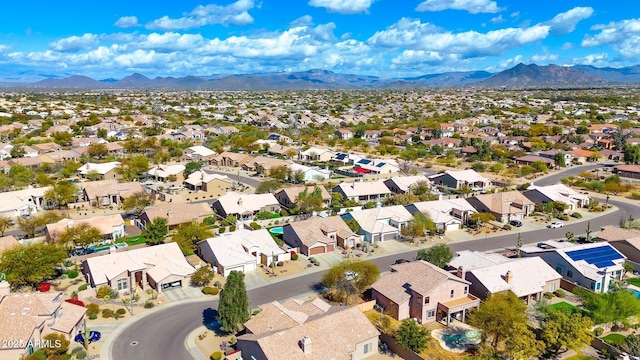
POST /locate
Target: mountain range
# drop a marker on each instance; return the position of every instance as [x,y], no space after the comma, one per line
[520,76]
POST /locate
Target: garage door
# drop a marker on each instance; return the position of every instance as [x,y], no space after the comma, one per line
[172,285]
[388,236]
[454,226]
[329,248]
[316,250]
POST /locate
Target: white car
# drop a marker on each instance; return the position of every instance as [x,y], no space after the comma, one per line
[555,224]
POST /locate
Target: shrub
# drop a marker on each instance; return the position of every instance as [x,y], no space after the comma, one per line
[562,217]
[209,220]
[72,274]
[255,226]
[294,256]
[232,228]
[507,227]
[202,276]
[121,311]
[92,308]
[83,287]
[560,293]
[217,355]
[284,212]
[598,331]
[221,230]
[576,215]
[148,304]
[107,313]
[217,284]
[81,355]
[93,316]
[280,263]
[103,291]
[615,328]
[207,290]
[548,295]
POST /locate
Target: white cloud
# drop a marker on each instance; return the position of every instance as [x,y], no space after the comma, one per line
[302,21]
[74,43]
[515,14]
[472,6]
[566,22]
[497,20]
[592,59]
[170,41]
[509,63]
[612,32]
[568,46]
[127,22]
[343,6]
[235,13]
[543,58]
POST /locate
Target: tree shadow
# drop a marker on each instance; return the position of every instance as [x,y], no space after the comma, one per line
[210,320]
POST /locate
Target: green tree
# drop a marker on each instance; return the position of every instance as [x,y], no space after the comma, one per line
[617,305]
[191,167]
[137,202]
[5,223]
[156,231]
[563,330]
[29,265]
[560,159]
[70,168]
[280,173]
[631,345]
[61,194]
[355,273]
[482,218]
[439,255]
[21,175]
[188,235]
[133,166]
[80,235]
[353,225]
[308,202]
[233,308]
[59,345]
[524,344]
[202,276]
[412,336]
[97,151]
[267,187]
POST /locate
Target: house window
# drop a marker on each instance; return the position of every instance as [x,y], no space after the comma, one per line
[431,313]
[569,274]
[552,287]
[466,290]
[559,269]
[367,348]
[593,285]
[452,292]
[426,299]
[122,284]
[597,286]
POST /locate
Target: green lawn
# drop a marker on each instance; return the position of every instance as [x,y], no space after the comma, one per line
[614,339]
[564,305]
[633,281]
[580,357]
[134,240]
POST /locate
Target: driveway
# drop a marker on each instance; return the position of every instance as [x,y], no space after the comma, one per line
[182,293]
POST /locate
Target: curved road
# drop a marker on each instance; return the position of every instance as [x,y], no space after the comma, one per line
[162,334]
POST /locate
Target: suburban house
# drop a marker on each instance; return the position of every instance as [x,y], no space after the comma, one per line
[344,134]
[628,171]
[310,174]
[103,171]
[25,318]
[241,251]
[505,206]
[199,154]
[404,184]
[381,223]
[369,166]
[166,173]
[7,242]
[456,179]
[423,291]
[22,202]
[318,235]
[177,213]
[363,192]
[558,193]
[231,159]
[451,214]
[530,159]
[111,227]
[528,278]
[158,267]
[315,154]
[591,265]
[109,192]
[288,196]
[263,164]
[306,330]
[626,241]
[245,206]
[214,185]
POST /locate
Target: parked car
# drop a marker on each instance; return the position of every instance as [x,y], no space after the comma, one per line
[555,225]
[515,222]
[401,261]
[93,336]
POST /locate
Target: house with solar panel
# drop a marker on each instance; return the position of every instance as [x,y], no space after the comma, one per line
[591,265]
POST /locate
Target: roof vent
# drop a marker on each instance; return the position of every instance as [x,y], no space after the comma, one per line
[305,344]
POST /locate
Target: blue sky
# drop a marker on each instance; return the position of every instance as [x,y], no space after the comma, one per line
[388,38]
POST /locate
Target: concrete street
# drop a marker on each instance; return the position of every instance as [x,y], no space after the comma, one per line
[161,334]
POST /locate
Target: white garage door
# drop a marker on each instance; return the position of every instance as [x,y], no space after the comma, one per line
[454,226]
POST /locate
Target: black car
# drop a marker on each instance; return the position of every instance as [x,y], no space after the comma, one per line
[516,223]
[401,261]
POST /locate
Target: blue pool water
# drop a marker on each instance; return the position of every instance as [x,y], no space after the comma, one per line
[636,293]
[276,230]
[459,340]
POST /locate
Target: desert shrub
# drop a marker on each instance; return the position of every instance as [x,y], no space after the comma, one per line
[560,293]
[221,230]
[207,290]
[92,308]
[255,226]
[280,263]
[72,274]
[548,295]
[232,228]
[103,291]
[217,284]
[209,220]
[83,287]
[507,227]
[615,328]
[284,213]
[562,217]
[148,304]
[576,215]
[107,313]
[121,311]
[81,355]
[598,331]
[217,355]
[294,256]
[93,316]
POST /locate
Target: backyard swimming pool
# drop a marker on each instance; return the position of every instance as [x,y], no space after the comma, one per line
[457,339]
[276,230]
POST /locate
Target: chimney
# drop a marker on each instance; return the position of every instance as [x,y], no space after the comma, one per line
[305,344]
[508,277]
[460,272]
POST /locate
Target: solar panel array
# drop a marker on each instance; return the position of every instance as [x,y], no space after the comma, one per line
[600,257]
